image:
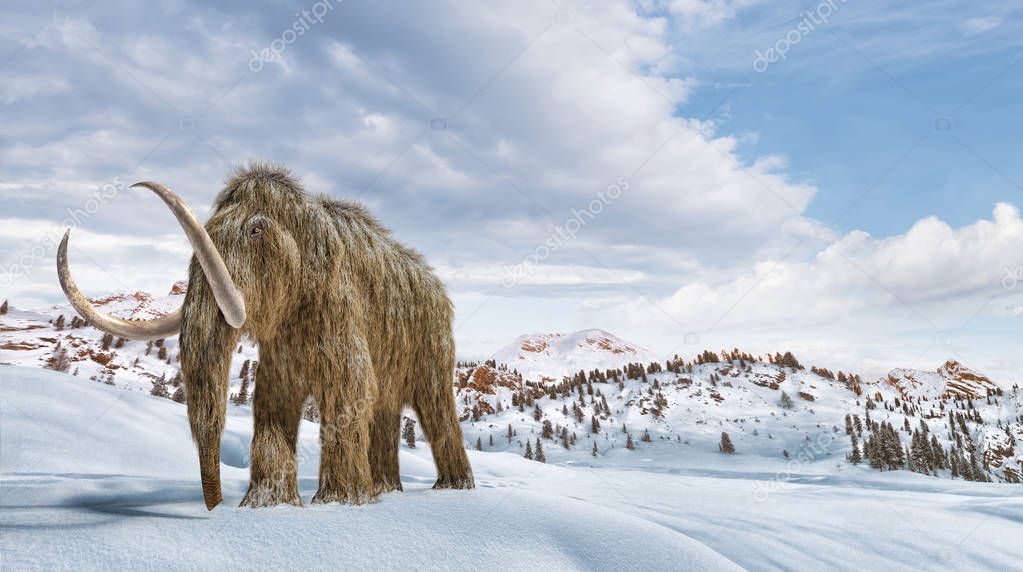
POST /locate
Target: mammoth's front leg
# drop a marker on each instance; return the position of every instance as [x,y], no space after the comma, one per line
[346,407]
[277,411]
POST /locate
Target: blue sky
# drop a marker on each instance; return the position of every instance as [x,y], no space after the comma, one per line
[813,206]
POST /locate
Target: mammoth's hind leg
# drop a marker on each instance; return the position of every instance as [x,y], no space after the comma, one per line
[383,449]
[434,403]
[276,413]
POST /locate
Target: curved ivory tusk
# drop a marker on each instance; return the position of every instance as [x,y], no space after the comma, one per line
[229,299]
[162,327]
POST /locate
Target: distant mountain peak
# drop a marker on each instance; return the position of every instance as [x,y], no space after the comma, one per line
[951,380]
[555,354]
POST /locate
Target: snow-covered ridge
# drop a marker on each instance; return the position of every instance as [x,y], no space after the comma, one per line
[553,355]
[769,405]
[951,380]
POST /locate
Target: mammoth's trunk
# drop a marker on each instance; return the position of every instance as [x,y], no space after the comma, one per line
[207,343]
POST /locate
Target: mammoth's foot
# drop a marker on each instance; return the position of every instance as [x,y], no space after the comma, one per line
[345,494]
[387,485]
[271,494]
[455,482]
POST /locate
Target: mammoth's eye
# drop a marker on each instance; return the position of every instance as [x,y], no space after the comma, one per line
[257,228]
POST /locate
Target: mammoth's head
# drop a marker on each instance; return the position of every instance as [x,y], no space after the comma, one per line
[246,256]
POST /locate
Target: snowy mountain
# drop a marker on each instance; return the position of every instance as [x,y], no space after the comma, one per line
[952,380]
[627,444]
[551,356]
[34,338]
[591,392]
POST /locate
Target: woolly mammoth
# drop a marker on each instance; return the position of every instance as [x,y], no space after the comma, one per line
[340,310]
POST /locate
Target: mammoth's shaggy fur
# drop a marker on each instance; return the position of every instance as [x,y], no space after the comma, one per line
[341,312]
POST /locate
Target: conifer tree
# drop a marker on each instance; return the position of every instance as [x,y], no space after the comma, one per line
[854,455]
[509,433]
[243,392]
[786,401]
[594,424]
[726,445]
[59,361]
[529,451]
[539,452]
[479,443]
[408,432]
[548,430]
[160,387]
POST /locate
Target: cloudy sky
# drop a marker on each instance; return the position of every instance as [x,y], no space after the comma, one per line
[842,180]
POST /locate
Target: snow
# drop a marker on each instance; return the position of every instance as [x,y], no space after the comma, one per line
[103,477]
[554,355]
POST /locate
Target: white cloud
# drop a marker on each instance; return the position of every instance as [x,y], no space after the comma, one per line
[931,263]
[980,25]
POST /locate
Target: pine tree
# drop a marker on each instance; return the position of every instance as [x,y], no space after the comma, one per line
[509,433]
[539,452]
[310,412]
[59,361]
[594,424]
[160,387]
[529,451]
[409,432]
[479,443]
[628,443]
[726,445]
[243,392]
[786,401]
[854,455]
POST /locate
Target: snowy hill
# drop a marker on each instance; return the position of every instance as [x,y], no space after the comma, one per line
[98,477]
[952,380]
[32,338]
[551,356]
[117,470]
[590,390]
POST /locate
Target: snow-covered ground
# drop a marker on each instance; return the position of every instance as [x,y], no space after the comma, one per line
[94,476]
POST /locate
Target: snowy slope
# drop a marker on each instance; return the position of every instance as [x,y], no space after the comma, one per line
[30,337]
[551,356]
[951,380]
[96,477]
[683,413]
